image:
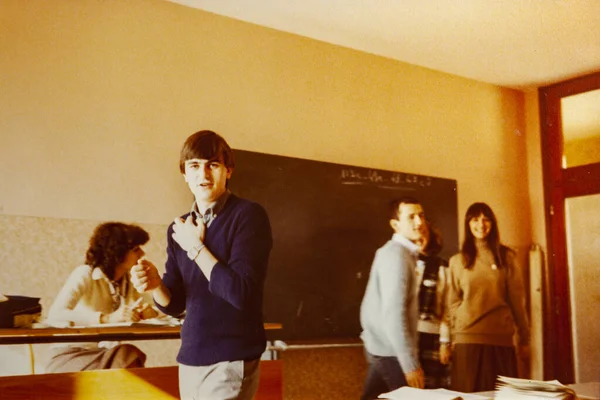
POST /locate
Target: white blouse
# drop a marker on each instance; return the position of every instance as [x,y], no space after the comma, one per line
[86,295]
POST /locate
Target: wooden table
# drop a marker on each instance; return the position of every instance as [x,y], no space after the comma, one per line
[96,334]
[156,383]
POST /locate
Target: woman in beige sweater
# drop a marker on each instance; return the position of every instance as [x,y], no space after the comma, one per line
[486,300]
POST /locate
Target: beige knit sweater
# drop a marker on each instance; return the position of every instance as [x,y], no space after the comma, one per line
[485,302]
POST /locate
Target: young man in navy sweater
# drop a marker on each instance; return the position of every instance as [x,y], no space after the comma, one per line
[217,256]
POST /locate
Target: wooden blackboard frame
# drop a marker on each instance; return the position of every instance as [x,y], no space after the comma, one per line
[328,220]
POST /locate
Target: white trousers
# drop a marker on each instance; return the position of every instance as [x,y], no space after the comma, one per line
[227,380]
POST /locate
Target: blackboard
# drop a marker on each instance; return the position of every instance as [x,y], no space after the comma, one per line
[328,220]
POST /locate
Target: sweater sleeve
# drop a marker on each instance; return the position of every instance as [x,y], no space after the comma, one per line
[454,294]
[172,280]
[240,281]
[443,293]
[516,297]
[63,309]
[395,283]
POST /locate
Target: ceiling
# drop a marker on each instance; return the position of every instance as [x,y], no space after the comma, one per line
[513,43]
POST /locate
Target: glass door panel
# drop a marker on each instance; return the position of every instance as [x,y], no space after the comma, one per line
[583,249]
[580,115]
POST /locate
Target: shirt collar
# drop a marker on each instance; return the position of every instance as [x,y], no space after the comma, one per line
[98,274]
[411,246]
[212,211]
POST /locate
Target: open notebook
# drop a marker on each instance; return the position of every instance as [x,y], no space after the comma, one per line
[407,392]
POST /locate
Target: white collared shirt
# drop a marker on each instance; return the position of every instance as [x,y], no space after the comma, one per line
[410,245]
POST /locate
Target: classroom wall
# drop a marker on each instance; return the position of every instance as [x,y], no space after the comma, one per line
[97,98]
[539,256]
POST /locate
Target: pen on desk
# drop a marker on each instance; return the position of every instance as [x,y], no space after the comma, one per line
[137,303]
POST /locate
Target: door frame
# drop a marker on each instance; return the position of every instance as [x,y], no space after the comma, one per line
[559,185]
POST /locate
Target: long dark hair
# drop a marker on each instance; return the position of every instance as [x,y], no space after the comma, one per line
[469,250]
[434,241]
[110,243]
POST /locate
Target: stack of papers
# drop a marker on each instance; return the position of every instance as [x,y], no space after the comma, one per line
[523,389]
[407,392]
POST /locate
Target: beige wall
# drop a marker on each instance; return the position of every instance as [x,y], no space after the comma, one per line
[97,98]
[538,233]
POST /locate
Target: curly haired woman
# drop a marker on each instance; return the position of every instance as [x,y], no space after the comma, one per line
[100,292]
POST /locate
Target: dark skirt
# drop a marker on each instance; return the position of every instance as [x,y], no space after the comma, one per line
[475,367]
[437,375]
[73,359]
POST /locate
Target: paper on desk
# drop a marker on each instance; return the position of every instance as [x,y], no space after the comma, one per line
[160,321]
[407,392]
[518,388]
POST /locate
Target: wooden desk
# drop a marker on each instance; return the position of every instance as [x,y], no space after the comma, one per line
[158,383]
[95,334]
[588,390]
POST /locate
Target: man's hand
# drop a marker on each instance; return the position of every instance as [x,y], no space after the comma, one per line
[445,353]
[187,233]
[144,276]
[416,378]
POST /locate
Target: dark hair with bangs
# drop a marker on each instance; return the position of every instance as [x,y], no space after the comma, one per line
[206,145]
[110,243]
[469,250]
[395,205]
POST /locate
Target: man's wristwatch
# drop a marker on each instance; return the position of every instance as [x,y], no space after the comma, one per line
[194,252]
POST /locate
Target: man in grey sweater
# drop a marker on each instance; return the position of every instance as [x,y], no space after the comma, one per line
[389,310]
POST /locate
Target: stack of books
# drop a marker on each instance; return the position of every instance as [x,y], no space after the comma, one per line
[527,389]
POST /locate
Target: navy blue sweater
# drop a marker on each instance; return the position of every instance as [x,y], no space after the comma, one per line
[223,320]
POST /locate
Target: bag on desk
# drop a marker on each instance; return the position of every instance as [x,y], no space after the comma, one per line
[19,311]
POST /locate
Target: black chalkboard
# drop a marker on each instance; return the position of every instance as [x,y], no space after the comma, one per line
[328,220]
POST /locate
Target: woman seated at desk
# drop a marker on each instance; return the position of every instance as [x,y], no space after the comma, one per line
[100,292]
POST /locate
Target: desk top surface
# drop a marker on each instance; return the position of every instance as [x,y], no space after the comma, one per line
[138,331]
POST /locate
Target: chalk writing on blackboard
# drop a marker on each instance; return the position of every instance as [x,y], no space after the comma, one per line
[390,179]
